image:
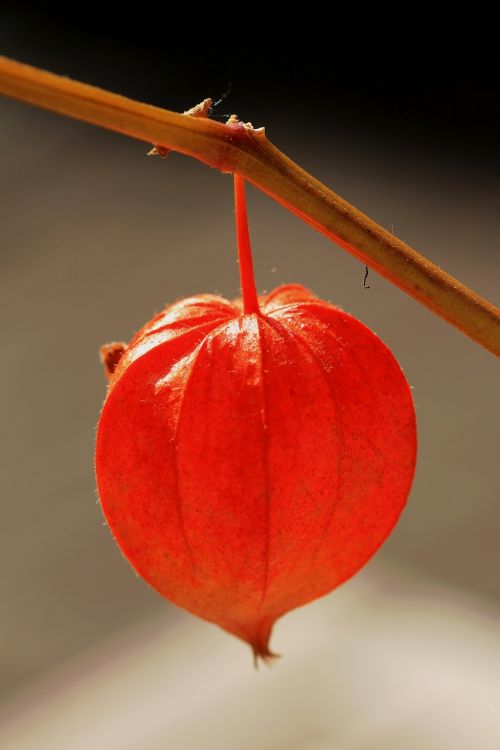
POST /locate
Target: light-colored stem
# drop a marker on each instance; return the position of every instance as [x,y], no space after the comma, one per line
[234,147]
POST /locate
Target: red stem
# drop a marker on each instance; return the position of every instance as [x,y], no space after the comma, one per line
[248,290]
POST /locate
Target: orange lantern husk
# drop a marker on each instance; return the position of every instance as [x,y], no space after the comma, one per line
[251,456]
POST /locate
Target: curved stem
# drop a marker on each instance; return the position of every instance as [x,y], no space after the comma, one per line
[248,290]
[235,147]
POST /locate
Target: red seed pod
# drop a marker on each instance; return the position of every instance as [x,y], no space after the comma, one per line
[250,461]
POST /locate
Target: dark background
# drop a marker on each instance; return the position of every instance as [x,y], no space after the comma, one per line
[94,238]
[431,92]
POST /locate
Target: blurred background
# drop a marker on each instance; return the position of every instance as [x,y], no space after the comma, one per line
[95,238]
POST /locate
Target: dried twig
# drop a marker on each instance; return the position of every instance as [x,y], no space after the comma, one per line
[237,147]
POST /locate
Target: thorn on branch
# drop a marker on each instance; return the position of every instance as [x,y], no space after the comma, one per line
[158,150]
[202,109]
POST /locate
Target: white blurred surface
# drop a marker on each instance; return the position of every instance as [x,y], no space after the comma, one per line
[388,661]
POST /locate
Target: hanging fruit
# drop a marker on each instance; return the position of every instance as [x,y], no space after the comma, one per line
[252,455]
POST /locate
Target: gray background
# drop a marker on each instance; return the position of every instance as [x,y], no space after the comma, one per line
[95,238]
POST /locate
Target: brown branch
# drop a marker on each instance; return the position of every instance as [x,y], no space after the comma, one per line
[235,147]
